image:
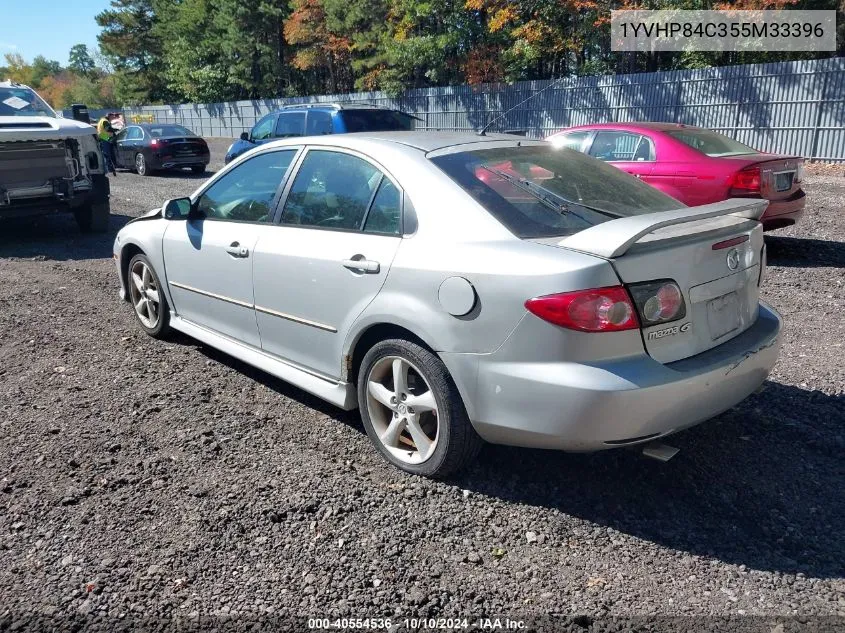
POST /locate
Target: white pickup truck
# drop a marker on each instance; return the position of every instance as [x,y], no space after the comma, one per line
[49,164]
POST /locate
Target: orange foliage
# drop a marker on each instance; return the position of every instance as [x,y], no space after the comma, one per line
[483,65]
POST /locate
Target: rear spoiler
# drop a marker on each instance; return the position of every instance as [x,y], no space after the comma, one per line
[614,238]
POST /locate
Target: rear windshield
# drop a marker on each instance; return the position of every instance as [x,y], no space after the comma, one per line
[545,191]
[711,143]
[376,121]
[23,102]
[160,131]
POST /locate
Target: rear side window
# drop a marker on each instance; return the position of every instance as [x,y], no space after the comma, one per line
[711,143]
[385,214]
[376,121]
[544,191]
[332,190]
[290,124]
[318,123]
[621,146]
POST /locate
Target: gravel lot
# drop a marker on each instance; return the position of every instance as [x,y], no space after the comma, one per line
[160,479]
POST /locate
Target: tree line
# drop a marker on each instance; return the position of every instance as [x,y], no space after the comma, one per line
[83,80]
[176,51]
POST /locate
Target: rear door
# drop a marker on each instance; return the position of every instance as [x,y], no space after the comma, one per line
[326,260]
[209,258]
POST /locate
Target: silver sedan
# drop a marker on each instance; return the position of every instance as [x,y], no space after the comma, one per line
[459,288]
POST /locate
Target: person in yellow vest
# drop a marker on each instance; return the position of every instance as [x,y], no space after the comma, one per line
[105,134]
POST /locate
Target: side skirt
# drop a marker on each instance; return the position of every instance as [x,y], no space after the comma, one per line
[340,394]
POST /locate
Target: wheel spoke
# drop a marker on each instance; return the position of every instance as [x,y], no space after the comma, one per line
[146,277]
[391,435]
[151,310]
[139,284]
[152,295]
[381,393]
[421,440]
[423,402]
[142,302]
[400,378]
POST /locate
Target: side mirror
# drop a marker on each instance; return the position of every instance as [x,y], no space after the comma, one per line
[244,136]
[177,209]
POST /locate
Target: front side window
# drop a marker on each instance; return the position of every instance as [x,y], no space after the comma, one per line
[615,146]
[331,190]
[711,143]
[571,140]
[263,129]
[135,134]
[290,124]
[543,191]
[246,193]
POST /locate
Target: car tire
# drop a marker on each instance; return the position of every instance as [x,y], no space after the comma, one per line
[198,169]
[455,442]
[141,166]
[158,327]
[93,217]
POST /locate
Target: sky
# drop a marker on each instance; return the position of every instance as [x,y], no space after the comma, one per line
[48,27]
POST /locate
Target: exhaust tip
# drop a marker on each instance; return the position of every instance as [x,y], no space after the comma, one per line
[660,452]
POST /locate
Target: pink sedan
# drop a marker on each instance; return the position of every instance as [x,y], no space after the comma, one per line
[695,165]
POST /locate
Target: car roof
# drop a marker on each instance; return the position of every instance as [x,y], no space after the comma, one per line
[336,106]
[432,140]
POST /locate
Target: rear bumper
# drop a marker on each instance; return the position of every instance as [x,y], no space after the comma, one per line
[166,162]
[781,213]
[578,406]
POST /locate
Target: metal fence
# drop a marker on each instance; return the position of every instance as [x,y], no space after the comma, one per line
[786,107]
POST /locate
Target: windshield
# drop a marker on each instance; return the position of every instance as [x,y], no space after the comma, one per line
[22,102]
[711,143]
[544,191]
[169,130]
[376,121]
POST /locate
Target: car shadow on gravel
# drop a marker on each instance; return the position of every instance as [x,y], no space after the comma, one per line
[796,252]
[57,237]
[181,174]
[761,485]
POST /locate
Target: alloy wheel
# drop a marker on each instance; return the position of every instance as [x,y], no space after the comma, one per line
[402,409]
[140,164]
[144,292]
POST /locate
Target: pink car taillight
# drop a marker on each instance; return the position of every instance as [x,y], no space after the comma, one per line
[596,310]
[745,181]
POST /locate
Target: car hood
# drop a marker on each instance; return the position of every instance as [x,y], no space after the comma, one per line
[34,128]
[152,214]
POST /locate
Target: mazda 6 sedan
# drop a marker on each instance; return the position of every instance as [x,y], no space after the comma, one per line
[458,288]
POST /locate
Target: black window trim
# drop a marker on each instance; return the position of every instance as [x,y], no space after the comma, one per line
[291,177]
[279,189]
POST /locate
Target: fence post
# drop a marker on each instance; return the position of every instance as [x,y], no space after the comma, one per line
[817,123]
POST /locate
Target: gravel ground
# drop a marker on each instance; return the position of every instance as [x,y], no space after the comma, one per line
[159,479]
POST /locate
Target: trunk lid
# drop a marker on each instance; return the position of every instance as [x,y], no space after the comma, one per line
[716,264]
[712,252]
[183,146]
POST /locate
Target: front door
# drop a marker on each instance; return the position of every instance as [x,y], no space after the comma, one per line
[209,258]
[325,262]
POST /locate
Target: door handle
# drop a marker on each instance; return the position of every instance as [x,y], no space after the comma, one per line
[364,265]
[236,250]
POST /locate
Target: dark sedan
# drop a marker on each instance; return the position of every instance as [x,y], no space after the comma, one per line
[151,146]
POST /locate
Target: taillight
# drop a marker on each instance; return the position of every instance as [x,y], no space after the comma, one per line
[597,310]
[658,301]
[154,142]
[745,181]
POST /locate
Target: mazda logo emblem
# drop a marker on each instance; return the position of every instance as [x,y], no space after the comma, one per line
[733,259]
